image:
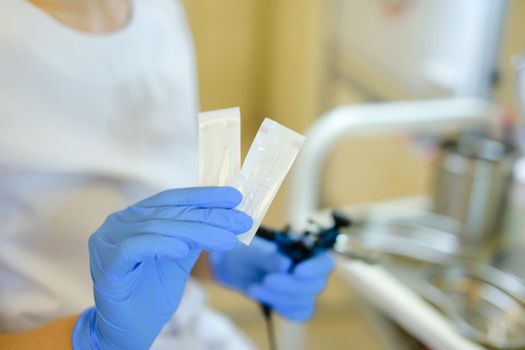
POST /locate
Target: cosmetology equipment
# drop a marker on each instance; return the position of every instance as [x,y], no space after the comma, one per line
[413,236]
[482,303]
[302,246]
[267,163]
[471,185]
[341,234]
[487,305]
[375,284]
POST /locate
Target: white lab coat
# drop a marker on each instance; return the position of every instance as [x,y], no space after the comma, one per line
[88,125]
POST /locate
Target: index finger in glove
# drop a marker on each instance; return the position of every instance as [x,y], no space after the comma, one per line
[196,234]
[202,197]
[230,219]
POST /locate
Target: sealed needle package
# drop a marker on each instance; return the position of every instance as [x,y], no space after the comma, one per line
[219,146]
[269,159]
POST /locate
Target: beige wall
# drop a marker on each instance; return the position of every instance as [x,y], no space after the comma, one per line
[260,54]
[267,57]
[229,38]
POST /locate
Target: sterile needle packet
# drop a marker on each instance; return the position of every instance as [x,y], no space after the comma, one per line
[219,146]
[269,159]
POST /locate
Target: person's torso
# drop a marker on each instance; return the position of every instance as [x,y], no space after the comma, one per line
[121,103]
[87,124]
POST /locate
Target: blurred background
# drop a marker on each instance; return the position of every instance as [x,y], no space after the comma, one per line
[294,60]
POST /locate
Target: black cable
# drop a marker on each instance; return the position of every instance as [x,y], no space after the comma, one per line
[267,312]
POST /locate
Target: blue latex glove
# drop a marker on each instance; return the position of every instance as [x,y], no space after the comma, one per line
[141,258]
[262,273]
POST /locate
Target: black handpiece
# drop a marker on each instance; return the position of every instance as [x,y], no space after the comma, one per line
[299,248]
[302,247]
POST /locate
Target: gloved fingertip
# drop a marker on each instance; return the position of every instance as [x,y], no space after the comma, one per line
[245,221]
[321,265]
[233,195]
[225,243]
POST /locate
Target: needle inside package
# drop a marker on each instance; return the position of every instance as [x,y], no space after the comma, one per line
[219,146]
[269,159]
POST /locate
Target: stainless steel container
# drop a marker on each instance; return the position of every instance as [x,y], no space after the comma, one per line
[485,304]
[471,182]
[414,236]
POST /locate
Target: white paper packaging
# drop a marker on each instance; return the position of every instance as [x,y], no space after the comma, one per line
[219,146]
[269,159]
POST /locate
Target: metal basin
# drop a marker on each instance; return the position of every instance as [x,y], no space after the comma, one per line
[419,236]
[487,305]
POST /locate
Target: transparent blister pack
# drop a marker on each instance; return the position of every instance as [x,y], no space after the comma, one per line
[219,146]
[269,159]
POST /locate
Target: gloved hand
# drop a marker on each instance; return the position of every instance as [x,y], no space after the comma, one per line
[262,273]
[141,258]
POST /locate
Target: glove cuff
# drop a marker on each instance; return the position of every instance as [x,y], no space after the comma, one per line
[84,336]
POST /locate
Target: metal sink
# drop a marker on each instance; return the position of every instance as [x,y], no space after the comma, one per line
[423,251]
